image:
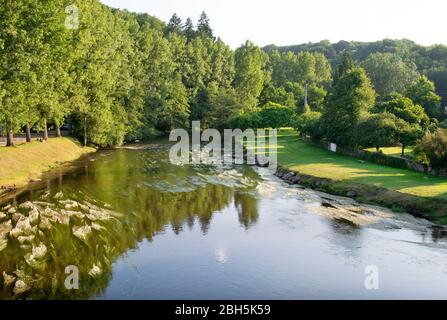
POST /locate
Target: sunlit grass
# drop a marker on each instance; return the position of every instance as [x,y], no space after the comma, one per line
[26,161]
[312,160]
[393,151]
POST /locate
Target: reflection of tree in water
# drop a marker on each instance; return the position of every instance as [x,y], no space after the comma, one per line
[345,235]
[89,233]
[438,233]
[247,208]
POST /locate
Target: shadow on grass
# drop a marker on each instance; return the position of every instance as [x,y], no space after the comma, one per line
[297,154]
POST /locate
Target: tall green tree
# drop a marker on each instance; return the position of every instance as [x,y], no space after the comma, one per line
[250,63]
[188,29]
[423,93]
[17,76]
[204,27]
[174,25]
[350,100]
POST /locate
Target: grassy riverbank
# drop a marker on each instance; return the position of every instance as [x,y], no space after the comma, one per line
[301,156]
[28,161]
[399,189]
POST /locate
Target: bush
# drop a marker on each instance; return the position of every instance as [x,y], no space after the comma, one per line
[432,149]
[309,124]
[249,120]
[276,116]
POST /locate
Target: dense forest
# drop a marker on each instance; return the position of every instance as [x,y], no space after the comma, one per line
[430,61]
[117,76]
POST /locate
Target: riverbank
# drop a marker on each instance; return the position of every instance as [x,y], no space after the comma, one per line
[402,190]
[26,162]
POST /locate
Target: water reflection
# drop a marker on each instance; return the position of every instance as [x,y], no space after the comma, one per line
[89,216]
[193,232]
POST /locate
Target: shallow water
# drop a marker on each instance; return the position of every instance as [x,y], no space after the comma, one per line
[138,227]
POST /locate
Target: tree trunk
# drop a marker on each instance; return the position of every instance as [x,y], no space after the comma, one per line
[28,132]
[58,129]
[377,148]
[85,130]
[9,137]
[45,130]
[403,150]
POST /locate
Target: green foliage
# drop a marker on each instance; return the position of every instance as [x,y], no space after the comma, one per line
[432,149]
[377,130]
[174,25]
[351,98]
[279,95]
[203,26]
[403,108]
[275,116]
[249,120]
[302,68]
[422,92]
[309,123]
[120,76]
[389,73]
[430,61]
[250,63]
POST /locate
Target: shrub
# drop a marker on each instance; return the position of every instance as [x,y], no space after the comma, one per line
[432,149]
[275,116]
[309,124]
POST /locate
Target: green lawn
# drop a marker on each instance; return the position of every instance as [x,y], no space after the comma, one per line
[308,159]
[393,151]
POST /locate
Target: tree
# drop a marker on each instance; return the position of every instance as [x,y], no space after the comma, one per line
[203,26]
[17,77]
[377,130]
[174,25]
[407,134]
[423,93]
[432,149]
[403,108]
[279,95]
[96,78]
[351,98]
[315,98]
[224,105]
[250,63]
[389,73]
[344,67]
[174,110]
[188,29]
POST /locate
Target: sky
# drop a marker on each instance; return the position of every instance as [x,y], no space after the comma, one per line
[287,22]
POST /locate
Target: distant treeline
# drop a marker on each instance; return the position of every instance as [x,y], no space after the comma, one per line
[430,61]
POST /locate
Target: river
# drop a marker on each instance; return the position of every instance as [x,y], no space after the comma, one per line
[138,227]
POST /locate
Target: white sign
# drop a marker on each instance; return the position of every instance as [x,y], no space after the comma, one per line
[333,147]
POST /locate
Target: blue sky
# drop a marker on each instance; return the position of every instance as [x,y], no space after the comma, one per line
[285,22]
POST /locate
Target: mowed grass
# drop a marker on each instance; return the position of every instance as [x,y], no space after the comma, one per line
[306,158]
[393,151]
[26,161]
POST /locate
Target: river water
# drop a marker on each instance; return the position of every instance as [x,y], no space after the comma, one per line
[135,226]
